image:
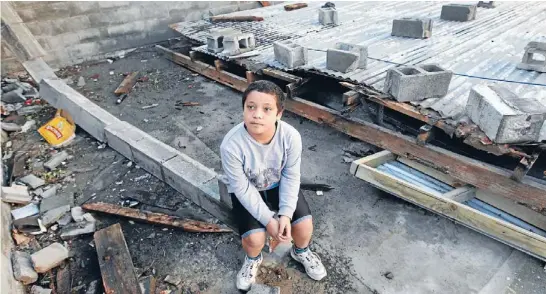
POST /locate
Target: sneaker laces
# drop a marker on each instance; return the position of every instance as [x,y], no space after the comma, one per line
[248,267]
[311,258]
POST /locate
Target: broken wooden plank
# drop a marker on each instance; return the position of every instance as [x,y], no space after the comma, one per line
[116,266]
[281,75]
[351,97]
[467,170]
[156,218]
[220,76]
[218,64]
[525,164]
[294,6]
[64,280]
[250,77]
[238,18]
[265,3]
[426,134]
[127,84]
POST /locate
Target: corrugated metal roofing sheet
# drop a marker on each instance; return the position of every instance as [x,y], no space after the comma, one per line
[490,46]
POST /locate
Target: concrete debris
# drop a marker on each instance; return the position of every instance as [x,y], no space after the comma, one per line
[76,229]
[81,82]
[53,215]
[412,28]
[22,268]
[346,57]
[235,44]
[56,160]
[264,289]
[77,214]
[49,192]
[328,16]
[29,109]
[16,194]
[25,211]
[29,224]
[10,87]
[290,54]
[29,125]
[503,116]
[388,275]
[215,40]
[39,290]
[65,220]
[458,12]
[418,82]
[14,96]
[69,81]
[529,62]
[173,280]
[49,257]
[11,127]
[486,4]
[55,201]
[89,217]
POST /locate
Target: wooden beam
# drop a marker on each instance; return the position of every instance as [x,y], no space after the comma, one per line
[351,97]
[219,65]
[281,75]
[127,84]
[467,170]
[220,76]
[187,225]
[250,76]
[116,266]
[524,165]
[426,133]
[294,6]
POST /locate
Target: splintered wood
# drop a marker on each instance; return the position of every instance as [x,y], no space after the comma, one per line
[156,218]
[295,6]
[127,84]
[222,18]
[116,266]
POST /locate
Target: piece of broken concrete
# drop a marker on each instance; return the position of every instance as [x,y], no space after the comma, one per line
[56,160]
[89,217]
[29,224]
[264,289]
[22,268]
[81,82]
[25,211]
[49,192]
[173,280]
[49,257]
[16,194]
[53,215]
[29,125]
[55,201]
[32,181]
[76,229]
[65,220]
[11,127]
[77,214]
[39,290]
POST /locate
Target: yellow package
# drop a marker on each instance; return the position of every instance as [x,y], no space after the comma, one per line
[59,131]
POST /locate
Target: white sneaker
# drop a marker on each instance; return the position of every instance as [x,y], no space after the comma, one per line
[312,263]
[247,275]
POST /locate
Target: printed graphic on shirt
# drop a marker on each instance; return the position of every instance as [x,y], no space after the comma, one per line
[264,179]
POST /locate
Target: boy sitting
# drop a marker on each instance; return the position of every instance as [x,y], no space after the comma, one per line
[261,157]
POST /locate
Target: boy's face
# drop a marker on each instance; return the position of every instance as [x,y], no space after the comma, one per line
[260,113]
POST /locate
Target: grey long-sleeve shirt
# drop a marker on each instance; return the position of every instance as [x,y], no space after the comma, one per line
[251,167]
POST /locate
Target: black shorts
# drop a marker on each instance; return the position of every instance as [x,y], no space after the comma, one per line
[248,224]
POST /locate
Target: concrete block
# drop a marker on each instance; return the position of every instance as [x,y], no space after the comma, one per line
[121,136]
[77,229]
[412,28]
[16,194]
[55,201]
[215,40]
[22,268]
[415,83]
[52,216]
[56,160]
[529,60]
[503,116]
[346,57]
[328,16]
[39,290]
[486,4]
[151,153]
[92,118]
[32,181]
[236,43]
[49,257]
[290,54]
[458,12]
[77,213]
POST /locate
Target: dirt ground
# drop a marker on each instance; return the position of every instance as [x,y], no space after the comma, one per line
[361,233]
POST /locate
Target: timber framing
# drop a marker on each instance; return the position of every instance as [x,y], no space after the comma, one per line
[462,168]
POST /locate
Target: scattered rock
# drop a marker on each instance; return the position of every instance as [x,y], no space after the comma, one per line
[69,81]
[32,181]
[65,220]
[77,214]
[76,229]
[54,227]
[81,82]
[56,160]
[11,127]
[347,159]
[53,215]
[25,211]
[29,125]
[388,275]
[49,257]
[39,290]
[359,149]
[264,289]
[89,217]
[16,194]
[22,268]
[199,128]
[54,201]
[173,280]
[49,192]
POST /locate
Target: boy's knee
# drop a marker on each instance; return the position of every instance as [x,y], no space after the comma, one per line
[256,239]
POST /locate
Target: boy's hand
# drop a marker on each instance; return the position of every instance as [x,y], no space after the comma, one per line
[285,229]
[273,228]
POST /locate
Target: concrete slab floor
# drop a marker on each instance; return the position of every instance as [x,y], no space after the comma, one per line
[361,232]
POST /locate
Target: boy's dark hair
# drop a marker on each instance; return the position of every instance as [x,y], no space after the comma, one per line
[266,87]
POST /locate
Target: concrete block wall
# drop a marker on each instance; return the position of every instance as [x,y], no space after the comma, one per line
[73,32]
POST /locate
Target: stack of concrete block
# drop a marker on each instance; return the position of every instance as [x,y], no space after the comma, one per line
[412,28]
[290,54]
[346,57]
[415,83]
[328,16]
[236,43]
[458,12]
[528,61]
[503,116]
[486,4]
[215,40]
